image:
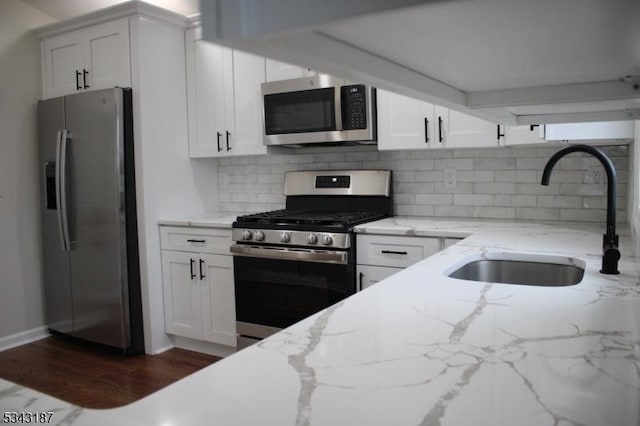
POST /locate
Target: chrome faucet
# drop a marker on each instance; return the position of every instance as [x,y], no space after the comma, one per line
[610,252]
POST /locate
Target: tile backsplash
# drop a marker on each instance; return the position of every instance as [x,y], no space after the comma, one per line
[495,183]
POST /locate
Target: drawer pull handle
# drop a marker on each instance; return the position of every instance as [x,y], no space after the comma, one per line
[196,241]
[393,252]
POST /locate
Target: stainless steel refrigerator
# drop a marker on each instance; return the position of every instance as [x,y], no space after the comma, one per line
[89,229]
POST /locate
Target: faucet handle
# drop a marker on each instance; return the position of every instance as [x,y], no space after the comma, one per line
[610,256]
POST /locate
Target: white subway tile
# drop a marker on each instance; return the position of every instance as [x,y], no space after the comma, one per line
[475,175]
[537,213]
[515,200]
[559,201]
[405,210]
[494,212]
[473,200]
[516,176]
[429,176]
[435,199]
[530,163]
[439,153]
[494,188]
[457,163]
[494,164]
[453,211]
[461,188]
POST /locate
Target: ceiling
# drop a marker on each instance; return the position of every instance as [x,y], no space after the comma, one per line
[65,9]
[509,61]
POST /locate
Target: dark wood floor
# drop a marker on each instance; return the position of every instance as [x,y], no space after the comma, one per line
[94,378]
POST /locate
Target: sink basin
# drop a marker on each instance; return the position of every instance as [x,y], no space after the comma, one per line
[520,269]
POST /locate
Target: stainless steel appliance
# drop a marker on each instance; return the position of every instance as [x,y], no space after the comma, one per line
[318,109]
[292,263]
[89,229]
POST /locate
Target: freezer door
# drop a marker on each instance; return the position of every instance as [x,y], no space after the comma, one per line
[97,217]
[56,267]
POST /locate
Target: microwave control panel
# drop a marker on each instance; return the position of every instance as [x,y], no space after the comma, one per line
[354,107]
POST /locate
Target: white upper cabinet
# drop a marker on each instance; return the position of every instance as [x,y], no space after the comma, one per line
[590,131]
[408,123]
[465,131]
[91,58]
[404,122]
[277,70]
[523,135]
[224,102]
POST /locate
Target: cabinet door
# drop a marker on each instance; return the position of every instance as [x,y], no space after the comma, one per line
[218,299]
[182,294]
[369,275]
[590,131]
[107,55]
[62,59]
[523,135]
[465,131]
[207,96]
[404,122]
[277,70]
[248,75]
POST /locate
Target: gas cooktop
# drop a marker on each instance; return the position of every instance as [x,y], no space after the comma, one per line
[291,218]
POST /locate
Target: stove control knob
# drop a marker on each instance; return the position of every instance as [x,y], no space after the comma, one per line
[246,234]
[259,236]
[327,240]
[285,237]
[313,238]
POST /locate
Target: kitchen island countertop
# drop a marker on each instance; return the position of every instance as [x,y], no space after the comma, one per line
[420,348]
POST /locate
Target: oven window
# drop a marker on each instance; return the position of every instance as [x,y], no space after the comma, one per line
[279,293]
[300,112]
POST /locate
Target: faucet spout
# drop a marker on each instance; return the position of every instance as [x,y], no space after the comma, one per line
[610,252]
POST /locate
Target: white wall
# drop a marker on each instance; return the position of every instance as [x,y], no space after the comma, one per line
[634,192]
[168,182]
[21,306]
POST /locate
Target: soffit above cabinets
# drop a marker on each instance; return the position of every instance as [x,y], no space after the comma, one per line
[509,61]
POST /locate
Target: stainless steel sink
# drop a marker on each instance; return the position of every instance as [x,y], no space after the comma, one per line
[510,268]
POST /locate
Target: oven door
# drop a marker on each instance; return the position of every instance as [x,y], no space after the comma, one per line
[276,287]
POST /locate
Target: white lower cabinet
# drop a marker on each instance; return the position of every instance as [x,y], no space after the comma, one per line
[199,299]
[369,275]
[380,256]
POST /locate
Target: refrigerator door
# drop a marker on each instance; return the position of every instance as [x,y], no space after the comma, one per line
[56,266]
[97,225]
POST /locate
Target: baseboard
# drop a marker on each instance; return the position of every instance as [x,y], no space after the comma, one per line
[23,338]
[203,347]
[163,349]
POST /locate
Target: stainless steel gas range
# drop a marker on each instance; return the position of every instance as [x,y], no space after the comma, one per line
[292,263]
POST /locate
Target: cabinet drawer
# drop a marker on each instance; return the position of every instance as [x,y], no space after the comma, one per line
[200,240]
[394,251]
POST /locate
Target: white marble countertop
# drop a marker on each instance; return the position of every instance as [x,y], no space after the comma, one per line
[209,220]
[420,348]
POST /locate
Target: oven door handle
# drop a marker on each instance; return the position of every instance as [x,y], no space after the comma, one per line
[288,254]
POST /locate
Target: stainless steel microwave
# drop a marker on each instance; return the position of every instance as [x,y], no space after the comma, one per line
[318,109]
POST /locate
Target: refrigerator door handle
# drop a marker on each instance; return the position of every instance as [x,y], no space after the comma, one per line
[61,188]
